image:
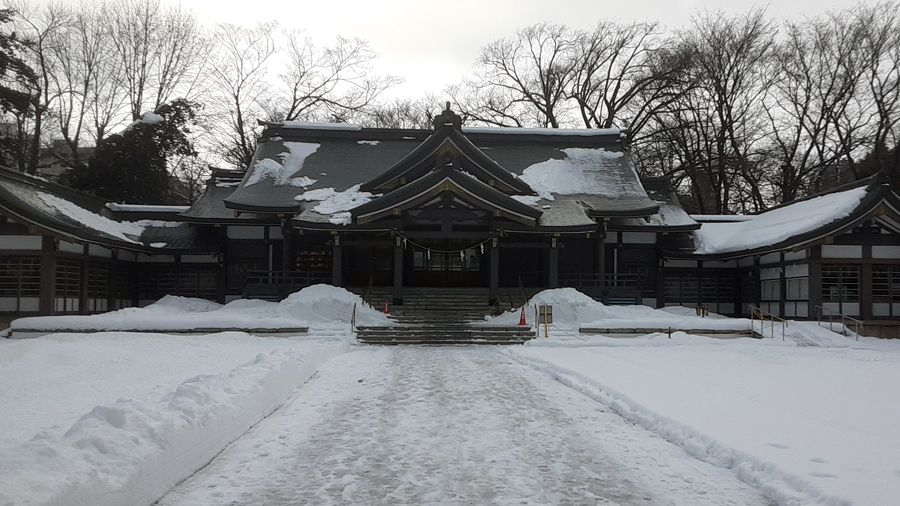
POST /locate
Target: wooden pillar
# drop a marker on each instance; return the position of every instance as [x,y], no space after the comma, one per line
[600,256]
[222,265]
[287,243]
[83,286]
[47,304]
[111,281]
[815,281]
[336,260]
[865,283]
[553,281]
[782,283]
[495,271]
[398,271]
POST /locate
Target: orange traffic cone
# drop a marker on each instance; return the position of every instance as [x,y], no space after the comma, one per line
[386,310]
[522,318]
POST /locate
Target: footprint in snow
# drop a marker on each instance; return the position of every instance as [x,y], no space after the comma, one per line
[779,446]
[818,460]
[822,475]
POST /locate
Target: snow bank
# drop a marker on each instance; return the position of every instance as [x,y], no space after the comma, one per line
[326,303]
[133,452]
[313,304]
[573,309]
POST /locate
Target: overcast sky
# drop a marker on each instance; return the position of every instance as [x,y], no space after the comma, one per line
[431,44]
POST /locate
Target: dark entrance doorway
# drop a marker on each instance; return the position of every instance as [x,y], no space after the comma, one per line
[445,263]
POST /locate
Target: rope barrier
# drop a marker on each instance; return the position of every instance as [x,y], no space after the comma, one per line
[476,245]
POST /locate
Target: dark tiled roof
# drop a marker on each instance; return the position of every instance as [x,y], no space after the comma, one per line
[79,217]
[342,158]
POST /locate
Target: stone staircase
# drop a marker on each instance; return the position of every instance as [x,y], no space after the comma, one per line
[440,316]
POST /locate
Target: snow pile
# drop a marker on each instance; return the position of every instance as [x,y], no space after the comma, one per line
[281,172]
[573,309]
[49,383]
[132,452]
[579,172]
[313,304]
[777,225]
[326,303]
[803,424]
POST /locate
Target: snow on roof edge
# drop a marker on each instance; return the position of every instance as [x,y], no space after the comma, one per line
[721,218]
[587,132]
[321,126]
[112,206]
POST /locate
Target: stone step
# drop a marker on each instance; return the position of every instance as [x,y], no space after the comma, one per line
[440,342]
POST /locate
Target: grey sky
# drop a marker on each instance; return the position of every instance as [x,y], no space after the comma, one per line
[431,44]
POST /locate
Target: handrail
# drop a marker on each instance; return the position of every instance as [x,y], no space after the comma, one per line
[369,290]
[762,314]
[353,319]
[831,312]
[522,288]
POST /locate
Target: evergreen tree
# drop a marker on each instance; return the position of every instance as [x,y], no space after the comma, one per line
[133,166]
[17,82]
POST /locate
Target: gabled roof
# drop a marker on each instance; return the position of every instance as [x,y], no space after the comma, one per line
[59,211]
[447,141]
[802,223]
[210,207]
[468,188]
[589,169]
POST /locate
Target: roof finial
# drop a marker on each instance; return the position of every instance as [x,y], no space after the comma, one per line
[447,119]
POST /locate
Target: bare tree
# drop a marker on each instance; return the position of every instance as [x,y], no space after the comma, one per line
[39,27]
[238,71]
[881,48]
[715,128]
[532,69]
[622,72]
[401,113]
[819,71]
[161,50]
[331,80]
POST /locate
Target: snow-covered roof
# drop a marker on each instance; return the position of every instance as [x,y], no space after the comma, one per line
[670,216]
[781,225]
[83,218]
[543,131]
[294,161]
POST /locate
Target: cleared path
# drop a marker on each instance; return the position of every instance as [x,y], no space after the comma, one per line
[453,425]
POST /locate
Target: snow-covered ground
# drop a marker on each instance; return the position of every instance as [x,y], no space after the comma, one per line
[119,418]
[451,426]
[811,419]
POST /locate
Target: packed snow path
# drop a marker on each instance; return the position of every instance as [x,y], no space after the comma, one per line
[451,425]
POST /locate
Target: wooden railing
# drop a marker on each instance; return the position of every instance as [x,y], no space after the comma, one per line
[607,281]
[764,316]
[858,324]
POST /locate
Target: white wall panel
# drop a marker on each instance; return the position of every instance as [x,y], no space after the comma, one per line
[21,242]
